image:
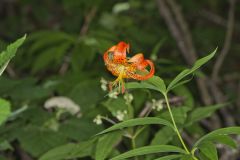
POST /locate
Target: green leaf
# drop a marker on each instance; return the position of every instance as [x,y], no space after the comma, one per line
[187,157]
[83,149]
[136,122]
[170,157]
[9,53]
[44,39]
[154,83]
[163,136]
[5,110]
[59,152]
[209,150]
[149,150]
[106,144]
[187,72]
[222,131]
[136,85]
[157,82]
[202,156]
[79,129]
[69,151]
[45,140]
[203,112]
[5,145]
[224,139]
[52,56]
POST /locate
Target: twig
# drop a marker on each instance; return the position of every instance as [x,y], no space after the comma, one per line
[227,42]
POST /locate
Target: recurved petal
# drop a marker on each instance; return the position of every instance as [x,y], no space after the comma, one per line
[146,76]
[120,52]
[138,58]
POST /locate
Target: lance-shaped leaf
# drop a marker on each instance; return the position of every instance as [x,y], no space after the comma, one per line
[137,122]
[178,79]
[149,150]
[154,83]
[9,53]
[222,131]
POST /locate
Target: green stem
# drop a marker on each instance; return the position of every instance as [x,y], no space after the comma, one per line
[174,124]
[130,111]
[134,146]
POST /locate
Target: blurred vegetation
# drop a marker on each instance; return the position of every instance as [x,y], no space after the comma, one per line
[62,57]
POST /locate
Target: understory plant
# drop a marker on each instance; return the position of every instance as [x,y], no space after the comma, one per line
[123,67]
[102,145]
[132,127]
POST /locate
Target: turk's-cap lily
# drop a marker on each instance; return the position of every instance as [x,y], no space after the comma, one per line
[123,67]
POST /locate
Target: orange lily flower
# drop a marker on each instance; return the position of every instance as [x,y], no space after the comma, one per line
[121,66]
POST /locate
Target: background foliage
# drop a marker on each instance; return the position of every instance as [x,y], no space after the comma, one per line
[62,56]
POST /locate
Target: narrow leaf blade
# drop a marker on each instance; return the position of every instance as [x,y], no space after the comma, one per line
[136,122]
[9,53]
[187,72]
[149,150]
[222,131]
[106,144]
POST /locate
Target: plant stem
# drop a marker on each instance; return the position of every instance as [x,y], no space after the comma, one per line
[174,124]
[134,146]
[130,111]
